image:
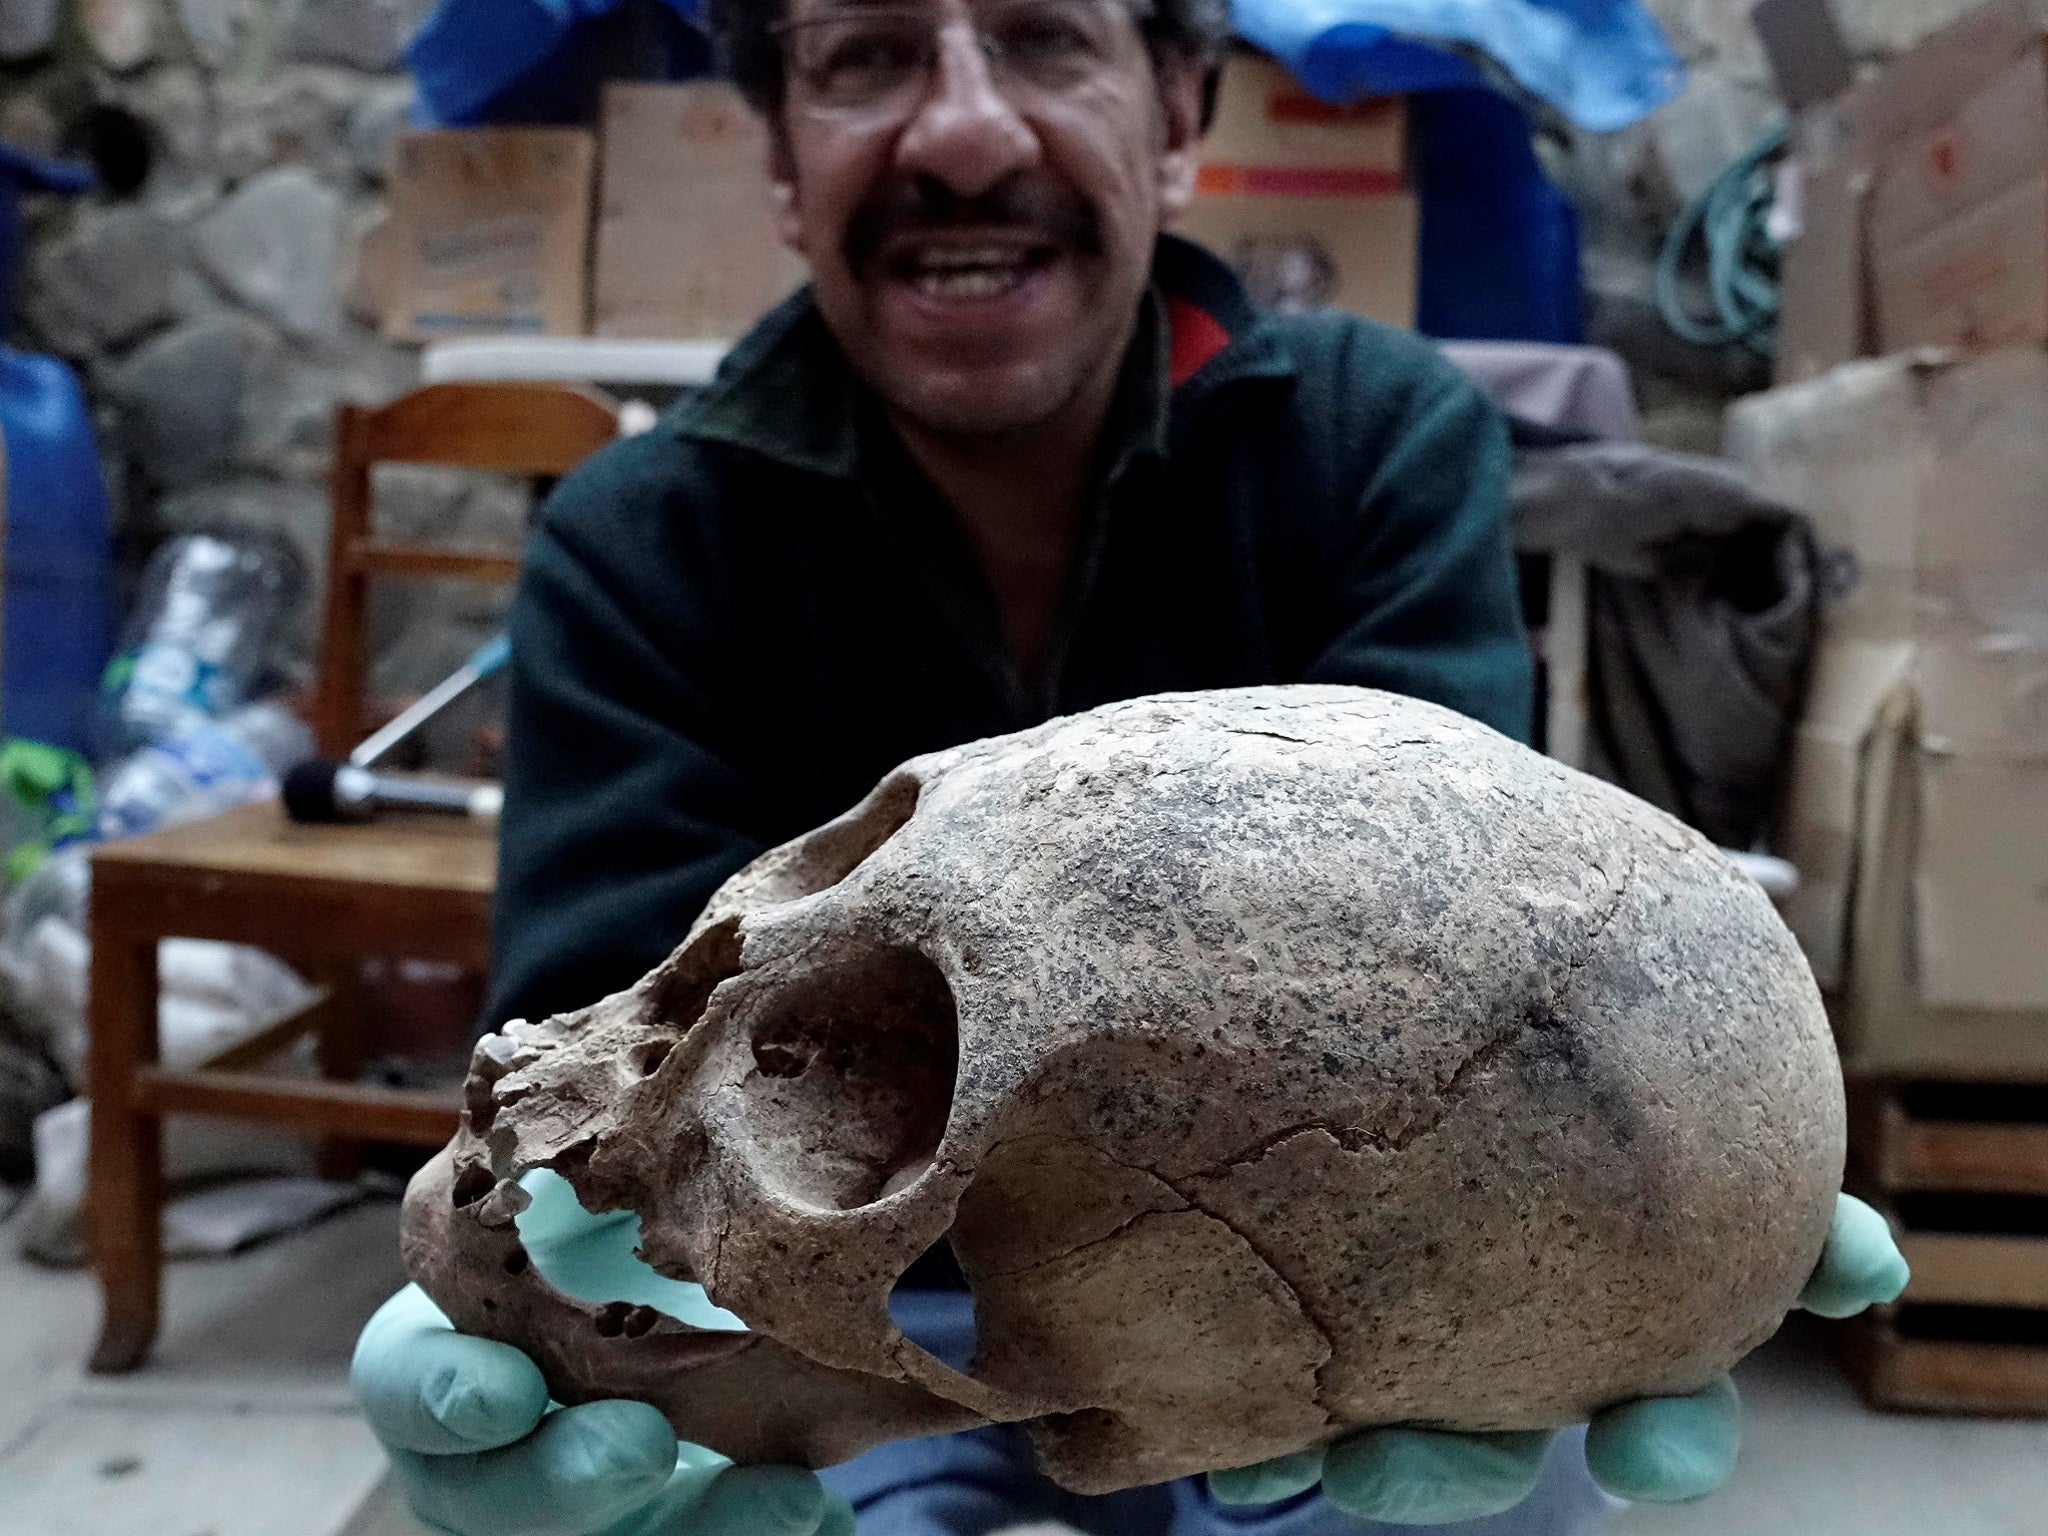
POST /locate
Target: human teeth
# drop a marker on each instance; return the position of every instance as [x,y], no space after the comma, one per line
[970,256]
[966,282]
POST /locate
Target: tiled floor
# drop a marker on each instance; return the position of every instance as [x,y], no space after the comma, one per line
[1815,1462]
[241,1426]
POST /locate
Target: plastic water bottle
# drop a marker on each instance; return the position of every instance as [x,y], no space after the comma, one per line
[209,608]
[209,766]
[44,955]
[44,952]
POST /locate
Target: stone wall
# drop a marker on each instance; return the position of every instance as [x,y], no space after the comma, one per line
[208,312]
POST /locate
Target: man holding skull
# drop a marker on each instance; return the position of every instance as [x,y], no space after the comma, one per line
[1014,452]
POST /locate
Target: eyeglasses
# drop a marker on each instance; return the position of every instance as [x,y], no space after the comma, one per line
[882,58]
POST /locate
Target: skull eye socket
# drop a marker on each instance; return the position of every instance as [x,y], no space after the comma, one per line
[852,1077]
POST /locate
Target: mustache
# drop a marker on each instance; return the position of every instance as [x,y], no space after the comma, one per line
[924,206]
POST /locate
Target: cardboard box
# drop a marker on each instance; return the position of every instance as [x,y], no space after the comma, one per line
[1925,200]
[489,234]
[686,241]
[1978,280]
[1309,201]
[1958,217]
[1993,139]
[1918,808]
[1823,295]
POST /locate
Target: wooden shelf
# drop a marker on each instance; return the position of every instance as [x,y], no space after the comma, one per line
[1972,1269]
[1961,1172]
[1906,1151]
[1934,1375]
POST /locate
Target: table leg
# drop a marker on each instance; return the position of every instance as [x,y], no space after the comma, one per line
[338,1044]
[125,1172]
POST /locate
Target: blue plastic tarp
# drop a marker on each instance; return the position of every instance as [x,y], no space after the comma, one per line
[494,61]
[1603,64]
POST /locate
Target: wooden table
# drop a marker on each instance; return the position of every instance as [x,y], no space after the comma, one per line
[322,898]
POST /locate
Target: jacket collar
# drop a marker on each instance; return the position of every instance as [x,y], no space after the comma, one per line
[787,393]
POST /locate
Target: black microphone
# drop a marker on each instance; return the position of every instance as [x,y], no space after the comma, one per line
[320,791]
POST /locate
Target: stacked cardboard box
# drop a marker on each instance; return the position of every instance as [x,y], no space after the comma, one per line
[686,242]
[1918,817]
[492,229]
[488,235]
[1309,201]
[1924,200]
[1919,810]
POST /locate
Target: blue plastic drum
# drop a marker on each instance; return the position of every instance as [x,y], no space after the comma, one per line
[58,555]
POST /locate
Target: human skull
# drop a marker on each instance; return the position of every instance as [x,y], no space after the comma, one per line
[1275,1061]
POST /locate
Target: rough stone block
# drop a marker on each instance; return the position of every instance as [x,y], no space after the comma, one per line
[298,116]
[1720,116]
[374,125]
[1710,34]
[288,412]
[213,27]
[176,101]
[123,32]
[106,283]
[1882,28]
[362,34]
[180,397]
[274,245]
[428,504]
[27,28]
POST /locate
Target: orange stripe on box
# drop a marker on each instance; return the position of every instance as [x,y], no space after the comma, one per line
[1297,181]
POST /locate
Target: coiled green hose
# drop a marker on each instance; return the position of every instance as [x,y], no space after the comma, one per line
[1728,223]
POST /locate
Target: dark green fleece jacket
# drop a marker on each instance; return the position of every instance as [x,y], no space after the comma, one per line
[730,628]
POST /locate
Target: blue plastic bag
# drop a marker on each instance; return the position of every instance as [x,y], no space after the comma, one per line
[498,61]
[1602,63]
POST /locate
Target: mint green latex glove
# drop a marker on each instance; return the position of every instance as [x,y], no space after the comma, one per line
[480,1451]
[1659,1450]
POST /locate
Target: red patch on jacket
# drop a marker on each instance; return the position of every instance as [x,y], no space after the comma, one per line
[1194,337]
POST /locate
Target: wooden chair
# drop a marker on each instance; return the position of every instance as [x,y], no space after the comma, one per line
[542,430]
[323,898]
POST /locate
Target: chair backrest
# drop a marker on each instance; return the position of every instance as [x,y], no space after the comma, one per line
[542,430]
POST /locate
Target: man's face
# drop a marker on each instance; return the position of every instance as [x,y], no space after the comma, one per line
[977,186]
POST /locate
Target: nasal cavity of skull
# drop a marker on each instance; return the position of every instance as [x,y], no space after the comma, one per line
[853,1078]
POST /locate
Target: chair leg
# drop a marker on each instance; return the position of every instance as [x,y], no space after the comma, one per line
[338,1045]
[125,1168]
